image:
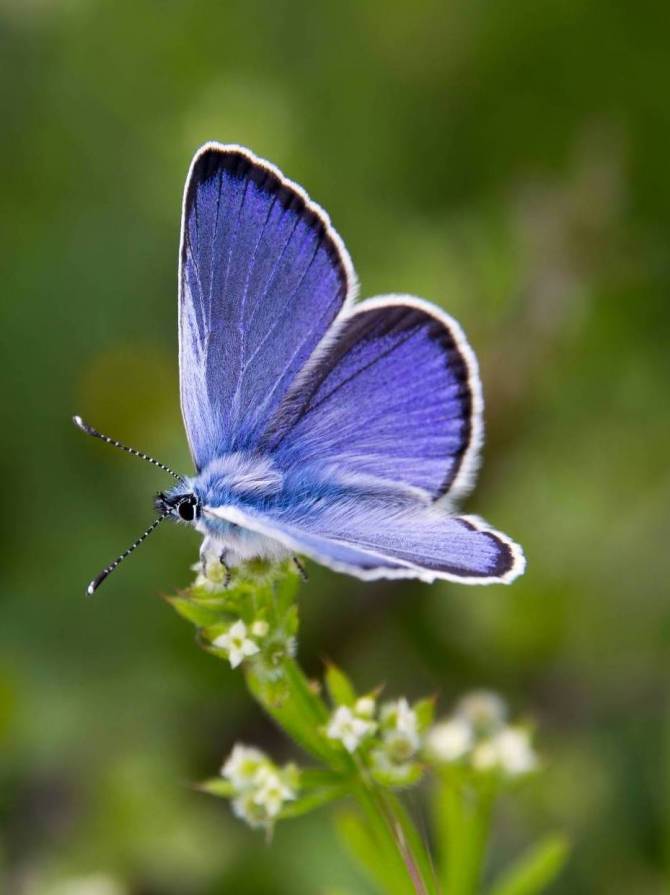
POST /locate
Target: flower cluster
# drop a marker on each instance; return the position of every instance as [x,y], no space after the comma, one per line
[478,736]
[259,789]
[249,618]
[386,738]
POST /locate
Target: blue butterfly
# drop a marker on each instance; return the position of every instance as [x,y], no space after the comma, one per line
[318,426]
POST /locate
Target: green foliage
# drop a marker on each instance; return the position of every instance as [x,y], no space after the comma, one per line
[366,752]
[535,870]
[340,688]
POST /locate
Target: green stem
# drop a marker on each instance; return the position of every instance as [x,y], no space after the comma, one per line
[464,823]
[399,871]
[414,843]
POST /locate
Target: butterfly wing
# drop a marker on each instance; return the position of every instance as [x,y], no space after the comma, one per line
[262,276]
[383,421]
[394,392]
[382,538]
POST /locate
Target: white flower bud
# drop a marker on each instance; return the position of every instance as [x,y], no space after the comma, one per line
[260,628]
[485,711]
[243,764]
[348,729]
[236,643]
[365,707]
[449,740]
[509,751]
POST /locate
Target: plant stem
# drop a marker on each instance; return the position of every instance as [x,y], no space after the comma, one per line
[464,820]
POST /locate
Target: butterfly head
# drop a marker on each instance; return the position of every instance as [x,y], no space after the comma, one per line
[180,505]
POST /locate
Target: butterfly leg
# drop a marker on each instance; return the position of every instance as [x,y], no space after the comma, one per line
[226,580]
[203,559]
[302,571]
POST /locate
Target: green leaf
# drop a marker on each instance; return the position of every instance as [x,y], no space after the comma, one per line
[202,613]
[217,786]
[315,799]
[339,686]
[534,870]
[417,846]
[318,778]
[425,712]
[381,865]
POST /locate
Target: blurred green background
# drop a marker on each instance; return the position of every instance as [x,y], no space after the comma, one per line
[508,160]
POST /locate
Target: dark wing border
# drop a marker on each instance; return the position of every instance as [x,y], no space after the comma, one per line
[461,479]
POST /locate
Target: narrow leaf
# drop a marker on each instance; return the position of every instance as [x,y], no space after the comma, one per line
[535,870]
[339,686]
[200,612]
[217,786]
[380,866]
[314,799]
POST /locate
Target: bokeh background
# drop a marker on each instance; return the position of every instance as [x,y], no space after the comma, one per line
[510,161]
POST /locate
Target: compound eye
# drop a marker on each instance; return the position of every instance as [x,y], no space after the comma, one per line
[186,510]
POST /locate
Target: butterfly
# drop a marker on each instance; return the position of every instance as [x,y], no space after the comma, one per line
[318,426]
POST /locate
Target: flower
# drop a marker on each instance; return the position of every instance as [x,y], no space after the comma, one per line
[236,643]
[349,729]
[485,756]
[215,581]
[401,733]
[271,791]
[259,787]
[260,628]
[478,730]
[388,772]
[364,707]
[242,765]
[247,809]
[509,751]
[449,740]
[483,710]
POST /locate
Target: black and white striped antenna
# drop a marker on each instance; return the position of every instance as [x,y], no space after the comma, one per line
[89,430]
[97,581]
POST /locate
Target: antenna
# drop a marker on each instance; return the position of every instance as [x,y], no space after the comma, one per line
[89,430]
[97,581]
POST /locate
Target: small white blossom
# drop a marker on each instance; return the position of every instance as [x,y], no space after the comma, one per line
[242,765]
[449,740]
[401,730]
[236,643]
[260,788]
[216,579]
[516,754]
[485,711]
[485,756]
[249,811]
[260,628]
[406,720]
[271,792]
[365,707]
[510,751]
[348,729]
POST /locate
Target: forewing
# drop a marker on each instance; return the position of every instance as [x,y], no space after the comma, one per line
[394,393]
[262,276]
[372,539]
